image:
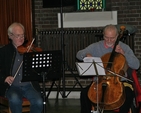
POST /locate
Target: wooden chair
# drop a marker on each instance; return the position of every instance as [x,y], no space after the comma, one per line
[6,109]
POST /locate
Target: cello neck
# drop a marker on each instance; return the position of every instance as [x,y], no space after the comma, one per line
[111,59]
[112,56]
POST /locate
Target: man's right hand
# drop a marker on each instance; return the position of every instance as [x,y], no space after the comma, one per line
[9,80]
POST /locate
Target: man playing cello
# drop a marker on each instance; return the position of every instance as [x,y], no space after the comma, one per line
[98,49]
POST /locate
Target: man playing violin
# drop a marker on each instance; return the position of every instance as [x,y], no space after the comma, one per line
[10,77]
[98,49]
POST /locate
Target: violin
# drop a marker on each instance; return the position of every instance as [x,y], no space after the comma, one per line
[28,47]
[108,91]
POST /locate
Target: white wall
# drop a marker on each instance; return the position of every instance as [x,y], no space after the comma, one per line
[87,19]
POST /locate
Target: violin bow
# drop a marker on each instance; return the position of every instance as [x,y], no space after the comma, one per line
[22,60]
[114,73]
[30,45]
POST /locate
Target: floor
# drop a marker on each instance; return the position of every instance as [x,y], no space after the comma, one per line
[64,106]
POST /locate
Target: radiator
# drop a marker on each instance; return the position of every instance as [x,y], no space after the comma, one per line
[71,41]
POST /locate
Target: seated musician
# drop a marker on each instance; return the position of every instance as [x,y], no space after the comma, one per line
[98,49]
[10,83]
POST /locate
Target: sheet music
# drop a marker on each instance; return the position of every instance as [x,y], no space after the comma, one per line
[87,67]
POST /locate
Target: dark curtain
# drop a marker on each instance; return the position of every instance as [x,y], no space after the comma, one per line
[15,11]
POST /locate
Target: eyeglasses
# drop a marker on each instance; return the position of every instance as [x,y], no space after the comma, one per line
[18,35]
[109,38]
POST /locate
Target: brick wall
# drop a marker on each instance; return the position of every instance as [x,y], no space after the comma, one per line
[129,12]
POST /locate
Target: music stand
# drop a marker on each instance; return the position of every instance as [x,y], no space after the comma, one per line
[38,66]
[91,69]
[91,66]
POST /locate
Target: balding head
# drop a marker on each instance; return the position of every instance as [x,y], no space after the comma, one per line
[12,26]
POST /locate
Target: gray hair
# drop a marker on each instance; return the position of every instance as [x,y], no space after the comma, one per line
[111,27]
[10,28]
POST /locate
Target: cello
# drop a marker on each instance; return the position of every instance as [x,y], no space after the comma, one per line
[108,91]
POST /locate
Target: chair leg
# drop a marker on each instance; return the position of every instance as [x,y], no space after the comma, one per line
[6,109]
[9,111]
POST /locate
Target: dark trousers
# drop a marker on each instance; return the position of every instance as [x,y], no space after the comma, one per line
[86,104]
